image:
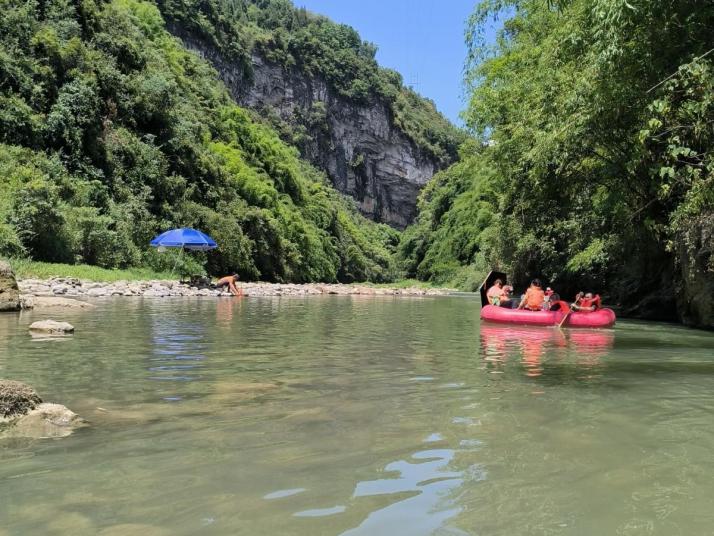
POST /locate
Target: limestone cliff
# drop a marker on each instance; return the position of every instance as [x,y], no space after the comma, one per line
[358,146]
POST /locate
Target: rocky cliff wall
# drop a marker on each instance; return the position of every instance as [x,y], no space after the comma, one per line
[358,146]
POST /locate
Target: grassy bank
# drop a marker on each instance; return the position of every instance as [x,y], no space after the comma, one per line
[43,270]
[25,269]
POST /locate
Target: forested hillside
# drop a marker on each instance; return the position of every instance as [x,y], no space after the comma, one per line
[595,166]
[110,131]
[292,36]
[319,85]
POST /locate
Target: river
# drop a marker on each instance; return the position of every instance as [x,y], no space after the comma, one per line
[358,416]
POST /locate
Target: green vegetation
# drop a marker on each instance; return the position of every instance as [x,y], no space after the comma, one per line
[296,38]
[590,172]
[404,283]
[26,269]
[44,270]
[111,132]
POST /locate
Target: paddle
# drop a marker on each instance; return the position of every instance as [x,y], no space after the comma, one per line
[564,319]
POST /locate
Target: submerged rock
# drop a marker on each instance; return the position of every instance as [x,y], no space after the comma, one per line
[23,414]
[9,292]
[52,327]
[17,398]
[45,421]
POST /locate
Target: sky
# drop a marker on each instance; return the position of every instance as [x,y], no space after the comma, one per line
[421,39]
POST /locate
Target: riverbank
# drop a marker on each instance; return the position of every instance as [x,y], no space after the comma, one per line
[82,288]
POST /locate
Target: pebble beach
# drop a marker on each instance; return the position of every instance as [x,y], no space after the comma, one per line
[77,288]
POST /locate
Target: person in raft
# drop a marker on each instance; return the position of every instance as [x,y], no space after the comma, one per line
[230,282]
[499,294]
[496,292]
[556,304]
[534,297]
[586,303]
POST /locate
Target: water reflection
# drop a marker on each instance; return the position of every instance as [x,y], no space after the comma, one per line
[178,349]
[533,346]
[226,308]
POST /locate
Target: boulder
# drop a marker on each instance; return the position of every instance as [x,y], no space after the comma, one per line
[27,301]
[97,292]
[16,398]
[60,289]
[23,414]
[156,292]
[52,327]
[9,291]
[45,421]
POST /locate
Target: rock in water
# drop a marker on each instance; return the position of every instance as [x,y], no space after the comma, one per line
[17,398]
[23,414]
[9,293]
[46,420]
[52,327]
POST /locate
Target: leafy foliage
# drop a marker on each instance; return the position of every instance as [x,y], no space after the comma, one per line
[598,174]
[111,132]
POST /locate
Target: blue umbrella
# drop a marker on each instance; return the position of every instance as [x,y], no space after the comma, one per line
[185,239]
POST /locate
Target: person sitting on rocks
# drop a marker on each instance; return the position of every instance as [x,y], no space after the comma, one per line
[230,282]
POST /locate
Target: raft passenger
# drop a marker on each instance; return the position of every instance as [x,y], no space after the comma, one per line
[534,297]
[556,304]
[495,293]
[586,303]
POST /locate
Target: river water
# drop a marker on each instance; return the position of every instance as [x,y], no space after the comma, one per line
[358,416]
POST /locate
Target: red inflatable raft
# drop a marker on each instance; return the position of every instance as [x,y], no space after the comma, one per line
[602,318]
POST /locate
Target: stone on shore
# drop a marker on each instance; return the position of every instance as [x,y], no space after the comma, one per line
[16,398]
[52,327]
[53,292]
[41,302]
[9,291]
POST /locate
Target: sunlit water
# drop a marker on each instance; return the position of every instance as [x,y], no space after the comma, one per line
[359,416]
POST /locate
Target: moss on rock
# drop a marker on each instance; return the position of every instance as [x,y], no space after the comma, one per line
[17,398]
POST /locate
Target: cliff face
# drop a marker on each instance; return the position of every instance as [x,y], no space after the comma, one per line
[360,149]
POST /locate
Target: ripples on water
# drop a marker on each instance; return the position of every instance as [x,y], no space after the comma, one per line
[353,415]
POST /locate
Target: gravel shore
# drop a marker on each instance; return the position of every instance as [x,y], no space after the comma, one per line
[76,288]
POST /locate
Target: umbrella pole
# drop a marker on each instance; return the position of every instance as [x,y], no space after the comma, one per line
[176,262]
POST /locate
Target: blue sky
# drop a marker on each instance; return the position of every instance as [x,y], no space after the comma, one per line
[422,39]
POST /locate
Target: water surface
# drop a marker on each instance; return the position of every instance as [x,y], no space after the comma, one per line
[359,416]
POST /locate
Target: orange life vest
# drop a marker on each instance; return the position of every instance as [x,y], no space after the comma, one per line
[534,298]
